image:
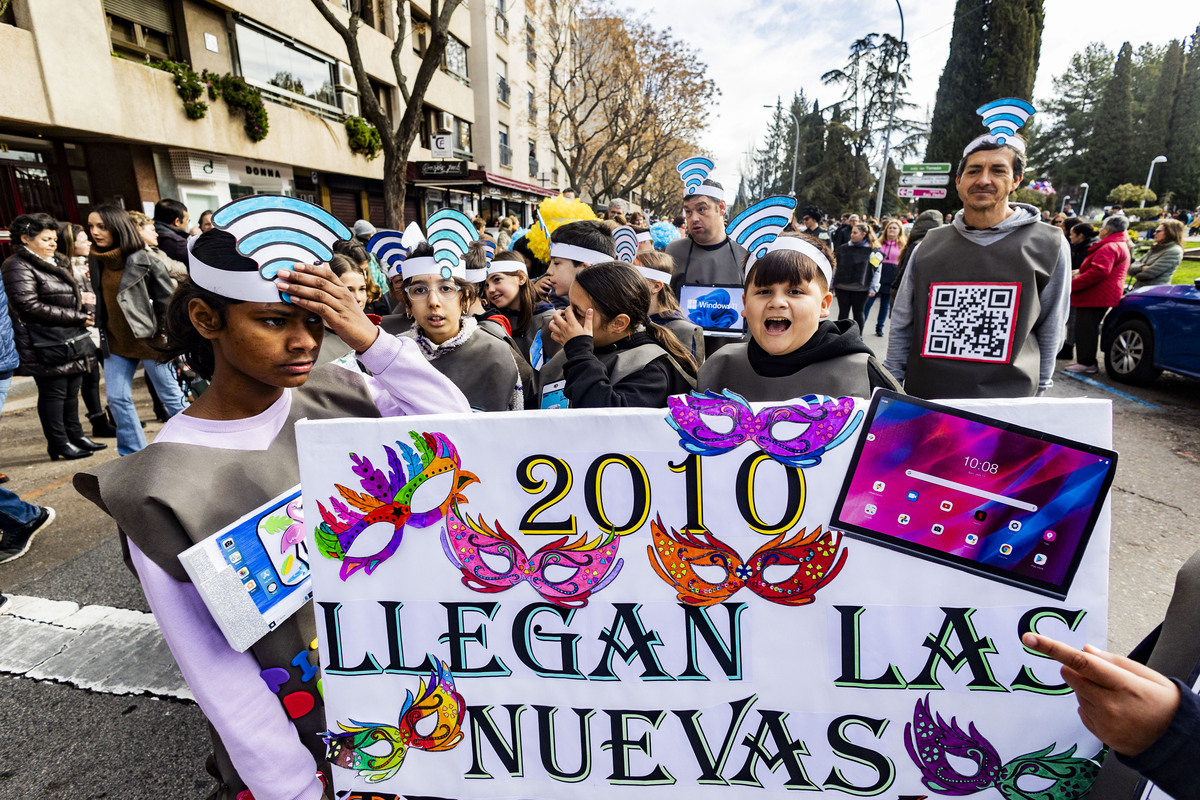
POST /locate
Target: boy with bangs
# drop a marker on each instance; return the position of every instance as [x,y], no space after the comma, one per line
[794,349]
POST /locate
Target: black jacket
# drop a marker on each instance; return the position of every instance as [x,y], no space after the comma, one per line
[172,241]
[833,339]
[43,294]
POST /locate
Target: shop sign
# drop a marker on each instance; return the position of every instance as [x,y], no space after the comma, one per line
[442,169]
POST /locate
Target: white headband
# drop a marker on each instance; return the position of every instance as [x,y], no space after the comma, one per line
[644,236]
[476,275]
[654,274]
[428,265]
[1015,142]
[508,266]
[705,189]
[249,285]
[798,245]
[574,253]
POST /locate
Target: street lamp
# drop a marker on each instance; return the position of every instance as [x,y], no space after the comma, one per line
[1083,205]
[887,136]
[1149,175]
[1063,207]
[795,149]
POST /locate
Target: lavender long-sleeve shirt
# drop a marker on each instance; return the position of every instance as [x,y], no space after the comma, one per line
[261,740]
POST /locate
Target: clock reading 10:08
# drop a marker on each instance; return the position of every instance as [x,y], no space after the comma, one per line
[990,467]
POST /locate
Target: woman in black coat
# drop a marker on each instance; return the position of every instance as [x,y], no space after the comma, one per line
[50,329]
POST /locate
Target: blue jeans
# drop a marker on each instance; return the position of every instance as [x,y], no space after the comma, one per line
[884,296]
[14,512]
[5,384]
[118,389]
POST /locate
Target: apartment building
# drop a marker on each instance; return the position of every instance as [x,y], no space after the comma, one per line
[85,119]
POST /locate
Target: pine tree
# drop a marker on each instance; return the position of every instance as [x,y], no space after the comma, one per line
[995,47]
[1183,145]
[1113,148]
[954,121]
[1156,121]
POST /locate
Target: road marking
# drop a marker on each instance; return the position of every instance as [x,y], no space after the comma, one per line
[47,488]
[1107,388]
[98,648]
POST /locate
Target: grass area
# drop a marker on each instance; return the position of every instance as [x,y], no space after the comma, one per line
[1188,272]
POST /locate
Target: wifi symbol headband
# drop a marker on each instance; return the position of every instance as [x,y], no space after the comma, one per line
[274,233]
[450,233]
[1003,118]
[391,248]
[693,172]
[758,227]
[627,243]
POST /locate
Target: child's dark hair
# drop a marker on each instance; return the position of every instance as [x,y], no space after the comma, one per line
[525,294]
[466,296]
[476,257]
[790,267]
[590,234]
[180,336]
[663,263]
[617,288]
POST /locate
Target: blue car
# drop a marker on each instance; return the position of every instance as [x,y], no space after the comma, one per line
[1153,329]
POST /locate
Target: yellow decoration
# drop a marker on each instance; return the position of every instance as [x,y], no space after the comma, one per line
[555,211]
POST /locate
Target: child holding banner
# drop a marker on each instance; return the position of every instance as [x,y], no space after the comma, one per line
[657,268]
[233,451]
[613,356]
[795,349]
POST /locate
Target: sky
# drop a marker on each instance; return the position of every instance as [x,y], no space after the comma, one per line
[758,50]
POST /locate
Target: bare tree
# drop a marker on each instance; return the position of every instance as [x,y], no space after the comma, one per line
[621,97]
[396,144]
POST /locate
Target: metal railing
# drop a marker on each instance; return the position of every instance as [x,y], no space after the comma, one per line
[501,25]
[505,156]
[502,89]
[533,166]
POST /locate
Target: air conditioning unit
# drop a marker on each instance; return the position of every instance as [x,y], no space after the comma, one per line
[345,78]
[349,103]
[445,121]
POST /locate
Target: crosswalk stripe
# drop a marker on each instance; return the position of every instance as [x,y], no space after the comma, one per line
[99,648]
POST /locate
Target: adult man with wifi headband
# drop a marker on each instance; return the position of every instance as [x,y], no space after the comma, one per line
[980,309]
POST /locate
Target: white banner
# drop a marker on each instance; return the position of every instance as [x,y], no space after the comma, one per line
[511,605]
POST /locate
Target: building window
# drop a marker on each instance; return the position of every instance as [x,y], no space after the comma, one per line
[530,41]
[375,13]
[454,60]
[282,68]
[462,136]
[144,29]
[502,90]
[420,30]
[533,162]
[505,149]
[532,105]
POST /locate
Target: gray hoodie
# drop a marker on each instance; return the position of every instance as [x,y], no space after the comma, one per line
[1054,299]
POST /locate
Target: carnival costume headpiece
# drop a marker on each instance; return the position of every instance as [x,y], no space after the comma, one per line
[693,172]
[1003,118]
[758,227]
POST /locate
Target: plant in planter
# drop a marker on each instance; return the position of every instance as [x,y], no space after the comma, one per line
[364,137]
[241,95]
[189,86]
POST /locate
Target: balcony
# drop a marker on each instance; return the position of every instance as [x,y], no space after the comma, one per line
[502,26]
[505,156]
[533,166]
[502,89]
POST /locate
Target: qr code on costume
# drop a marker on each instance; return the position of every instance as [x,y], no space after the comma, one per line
[971,321]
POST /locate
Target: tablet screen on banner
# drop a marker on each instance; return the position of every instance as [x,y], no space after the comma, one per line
[999,500]
[253,574]
[716,309]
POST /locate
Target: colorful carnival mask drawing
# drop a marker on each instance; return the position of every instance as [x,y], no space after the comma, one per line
[828,422]
[929,740]
[588,566]
[388,498]
[675,556]
[376,750]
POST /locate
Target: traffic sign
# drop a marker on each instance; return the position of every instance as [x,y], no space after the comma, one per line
[441,146]
[914,192]
[942,167]
[924,180]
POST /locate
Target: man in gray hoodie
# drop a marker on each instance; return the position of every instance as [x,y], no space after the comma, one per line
[981,307]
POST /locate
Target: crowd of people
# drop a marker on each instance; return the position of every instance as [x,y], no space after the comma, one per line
[979,305]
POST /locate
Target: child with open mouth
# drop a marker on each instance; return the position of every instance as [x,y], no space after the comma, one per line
[794,348]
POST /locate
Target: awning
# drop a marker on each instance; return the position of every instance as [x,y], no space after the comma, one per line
[519,186]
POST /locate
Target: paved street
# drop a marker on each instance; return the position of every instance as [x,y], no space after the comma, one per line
[87,685]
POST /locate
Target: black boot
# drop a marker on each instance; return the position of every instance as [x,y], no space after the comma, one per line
[84,443]
[67,451]
[102,424]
